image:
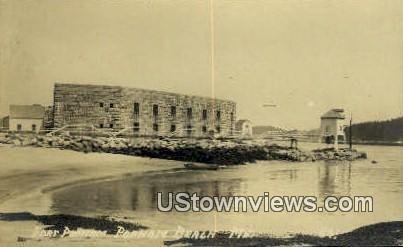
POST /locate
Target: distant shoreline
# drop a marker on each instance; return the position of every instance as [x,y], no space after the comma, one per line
[374,143]
[371,143]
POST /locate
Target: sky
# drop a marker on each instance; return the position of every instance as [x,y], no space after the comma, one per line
[305,57]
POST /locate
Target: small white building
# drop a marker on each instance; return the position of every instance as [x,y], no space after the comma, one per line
[26,118]
[332,126]
[243,127]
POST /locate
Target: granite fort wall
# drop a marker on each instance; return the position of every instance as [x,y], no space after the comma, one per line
[145,112]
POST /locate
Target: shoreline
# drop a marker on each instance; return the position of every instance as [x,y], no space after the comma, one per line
[27,186]
[80,170]
[369,143]
[379,234]
[226,152]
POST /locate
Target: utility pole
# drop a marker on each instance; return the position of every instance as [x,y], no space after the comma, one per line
[350,133]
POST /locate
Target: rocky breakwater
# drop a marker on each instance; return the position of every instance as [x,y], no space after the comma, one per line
[341,154]
[211,151]
[276,152]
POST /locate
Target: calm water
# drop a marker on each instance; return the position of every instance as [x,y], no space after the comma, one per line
[135,197]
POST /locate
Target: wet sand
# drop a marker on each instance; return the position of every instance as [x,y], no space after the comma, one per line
[29,175]
[50,169]
[381,234]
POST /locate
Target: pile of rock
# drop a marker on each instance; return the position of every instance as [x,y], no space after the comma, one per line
[340,154]
[275,152]
[213,151]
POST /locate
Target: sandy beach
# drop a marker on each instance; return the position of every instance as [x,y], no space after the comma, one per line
[26,183]
[35,180]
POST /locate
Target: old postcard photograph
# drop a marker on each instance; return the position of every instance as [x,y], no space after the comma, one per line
[201,123]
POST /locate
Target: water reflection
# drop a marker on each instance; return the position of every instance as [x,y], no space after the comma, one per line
[139,193]
[135,196]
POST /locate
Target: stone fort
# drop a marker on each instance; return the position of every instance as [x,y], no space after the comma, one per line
[142,112]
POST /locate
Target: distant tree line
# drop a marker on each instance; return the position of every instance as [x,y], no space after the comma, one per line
[383,131]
